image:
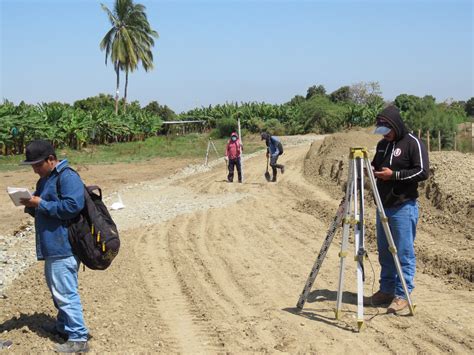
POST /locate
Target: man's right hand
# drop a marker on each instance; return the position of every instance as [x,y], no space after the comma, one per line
[34,201]
[268,154]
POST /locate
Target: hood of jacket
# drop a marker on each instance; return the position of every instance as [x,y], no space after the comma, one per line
[392,115]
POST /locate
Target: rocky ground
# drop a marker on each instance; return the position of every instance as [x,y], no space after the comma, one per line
[212,267]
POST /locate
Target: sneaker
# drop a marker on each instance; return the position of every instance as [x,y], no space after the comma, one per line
[51,329]
[72,347]
[398,304]
[283,169]
[379,298]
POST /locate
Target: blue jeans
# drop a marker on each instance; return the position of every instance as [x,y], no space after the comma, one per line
[402,221]
[61,278]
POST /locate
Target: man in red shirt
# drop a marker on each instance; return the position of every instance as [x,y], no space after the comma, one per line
[232,155]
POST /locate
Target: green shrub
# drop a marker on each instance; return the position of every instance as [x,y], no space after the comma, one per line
[274,127]
[256,125]
[226,126]
[320,115]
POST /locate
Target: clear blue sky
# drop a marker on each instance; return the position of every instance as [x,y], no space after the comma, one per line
[210,52]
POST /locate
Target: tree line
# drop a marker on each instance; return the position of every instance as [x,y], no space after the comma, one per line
[93,120]
[89,121]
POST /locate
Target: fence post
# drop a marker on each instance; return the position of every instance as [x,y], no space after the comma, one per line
[455,139]
[419,133]
[439,140]
[428,140]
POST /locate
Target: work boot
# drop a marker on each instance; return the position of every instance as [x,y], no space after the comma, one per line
[274,179]
[398,304]
[72,347]
[379,298]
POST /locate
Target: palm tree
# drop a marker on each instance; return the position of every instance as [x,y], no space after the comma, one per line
[143,43]
[129,41]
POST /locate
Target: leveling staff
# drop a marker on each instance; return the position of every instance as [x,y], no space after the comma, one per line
[400,162]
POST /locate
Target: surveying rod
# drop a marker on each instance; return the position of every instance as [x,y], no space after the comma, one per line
[241,150]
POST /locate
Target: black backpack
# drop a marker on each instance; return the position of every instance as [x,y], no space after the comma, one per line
[280,148]
[93,234]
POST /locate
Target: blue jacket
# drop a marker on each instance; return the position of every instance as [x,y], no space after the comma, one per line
[52,214]
[273,146]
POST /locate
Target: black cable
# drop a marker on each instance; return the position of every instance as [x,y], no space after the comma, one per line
[373,284]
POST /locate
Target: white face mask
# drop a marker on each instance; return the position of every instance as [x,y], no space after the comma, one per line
[234,138]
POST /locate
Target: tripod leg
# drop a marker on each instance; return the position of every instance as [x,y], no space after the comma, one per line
[207,152]
[388,233]
[215,150]
[359,239]
[322,254]
[345,237]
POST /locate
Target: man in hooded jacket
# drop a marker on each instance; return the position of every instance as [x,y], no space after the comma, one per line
[233,151]
[400,162]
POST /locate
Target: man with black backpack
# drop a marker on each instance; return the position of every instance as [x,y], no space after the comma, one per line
[52,211]
[274,150]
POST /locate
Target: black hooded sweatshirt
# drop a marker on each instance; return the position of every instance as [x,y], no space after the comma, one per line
[406,156]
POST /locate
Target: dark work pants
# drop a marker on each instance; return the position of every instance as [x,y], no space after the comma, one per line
[274,165]
[234,162]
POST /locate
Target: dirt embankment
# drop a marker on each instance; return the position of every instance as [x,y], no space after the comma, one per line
[444,241]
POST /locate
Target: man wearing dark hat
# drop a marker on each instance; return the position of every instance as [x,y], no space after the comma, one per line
[400,162]
[51,210]
[274,150]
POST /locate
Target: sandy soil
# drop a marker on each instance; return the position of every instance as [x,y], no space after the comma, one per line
[224,275]
[108,177]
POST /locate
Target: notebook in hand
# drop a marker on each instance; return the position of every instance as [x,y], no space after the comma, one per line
[16,193]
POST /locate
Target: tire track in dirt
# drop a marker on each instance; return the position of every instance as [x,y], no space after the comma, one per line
[186,331]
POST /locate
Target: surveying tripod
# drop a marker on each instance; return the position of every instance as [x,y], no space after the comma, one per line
[351,213]
[210,144]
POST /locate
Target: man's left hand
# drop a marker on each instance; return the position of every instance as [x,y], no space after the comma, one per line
[385,174]
[32,202]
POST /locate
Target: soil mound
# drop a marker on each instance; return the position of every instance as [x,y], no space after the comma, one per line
[446,199]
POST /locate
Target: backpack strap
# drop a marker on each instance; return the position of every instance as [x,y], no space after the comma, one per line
[58,190]
[93,188]
[58,181]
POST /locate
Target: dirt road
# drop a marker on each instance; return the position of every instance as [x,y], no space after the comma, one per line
[223,273]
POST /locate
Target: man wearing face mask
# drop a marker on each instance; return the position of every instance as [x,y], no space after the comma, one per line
[232,155]
[400,162]
[52,210]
